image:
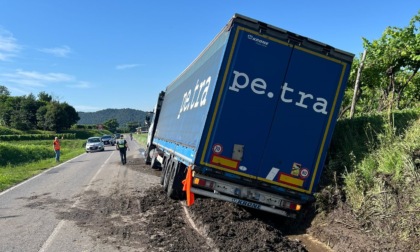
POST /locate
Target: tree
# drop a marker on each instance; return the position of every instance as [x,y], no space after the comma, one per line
[132,126]
[22,117]
[30,105]
[393,63]
[19,120]
[26,112]
[41,117]
[44,97]
[52,116]
[112,125]
[6,109]
[4,91]
[71,115]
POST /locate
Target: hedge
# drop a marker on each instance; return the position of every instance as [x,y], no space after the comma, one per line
[8,138]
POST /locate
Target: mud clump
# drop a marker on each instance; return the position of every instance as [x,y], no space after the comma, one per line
[134,221]
[234,228]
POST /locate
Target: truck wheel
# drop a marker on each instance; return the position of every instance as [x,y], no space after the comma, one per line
[148,152]
[168,169]
[174,190]
[154,163]
[164,167]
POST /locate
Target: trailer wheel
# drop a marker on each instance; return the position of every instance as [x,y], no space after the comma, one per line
[168,169]
[164,168]
[176,175]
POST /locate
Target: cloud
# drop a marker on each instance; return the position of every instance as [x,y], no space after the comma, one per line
[126,66]
[80,84]
[62,51]
[16,90]
[34,79]
[8,45]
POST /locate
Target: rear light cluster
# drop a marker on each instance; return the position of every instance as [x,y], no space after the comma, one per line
[291,205]
[203,183]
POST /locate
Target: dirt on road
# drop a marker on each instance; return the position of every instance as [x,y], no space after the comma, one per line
[145,219]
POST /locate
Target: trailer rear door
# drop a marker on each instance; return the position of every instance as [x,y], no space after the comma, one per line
[275,111]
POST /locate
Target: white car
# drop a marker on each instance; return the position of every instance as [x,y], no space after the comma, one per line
[94,144]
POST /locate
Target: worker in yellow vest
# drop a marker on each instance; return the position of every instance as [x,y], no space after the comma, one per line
[122,146]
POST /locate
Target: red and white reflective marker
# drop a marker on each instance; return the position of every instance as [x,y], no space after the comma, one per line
[304,173]
[217,148]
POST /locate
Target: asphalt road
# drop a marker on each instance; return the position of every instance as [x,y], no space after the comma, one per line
[29,211]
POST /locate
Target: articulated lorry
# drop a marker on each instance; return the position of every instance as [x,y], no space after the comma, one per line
[251,117]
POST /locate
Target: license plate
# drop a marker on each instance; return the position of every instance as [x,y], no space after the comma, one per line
[246,203]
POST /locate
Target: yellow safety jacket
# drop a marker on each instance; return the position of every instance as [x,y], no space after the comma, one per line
[121,143]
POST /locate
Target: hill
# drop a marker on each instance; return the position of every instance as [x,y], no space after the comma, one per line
[123,116]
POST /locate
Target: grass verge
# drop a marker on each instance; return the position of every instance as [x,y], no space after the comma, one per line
[373,172]
[15,172]
[141,138]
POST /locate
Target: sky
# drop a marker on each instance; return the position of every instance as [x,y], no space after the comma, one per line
[100,54]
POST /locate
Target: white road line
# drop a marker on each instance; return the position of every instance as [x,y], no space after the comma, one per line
[54,233]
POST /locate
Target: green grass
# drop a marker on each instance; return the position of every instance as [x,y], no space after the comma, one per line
[141,138]
[377,169]
[390,166]
[22,160]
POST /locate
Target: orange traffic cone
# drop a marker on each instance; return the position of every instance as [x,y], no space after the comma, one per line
[187,187]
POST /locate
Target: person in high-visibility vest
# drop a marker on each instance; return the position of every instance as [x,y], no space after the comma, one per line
[56,145]
[122,146]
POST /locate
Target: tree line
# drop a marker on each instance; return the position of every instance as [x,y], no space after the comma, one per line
[123,116]
[385,77]
[29,112]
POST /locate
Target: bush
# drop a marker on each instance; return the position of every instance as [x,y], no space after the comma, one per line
[354,139]
[8,131]
[85,134]
[18,154]
[22,137]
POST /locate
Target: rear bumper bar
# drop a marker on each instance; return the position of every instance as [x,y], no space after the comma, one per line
[242,202]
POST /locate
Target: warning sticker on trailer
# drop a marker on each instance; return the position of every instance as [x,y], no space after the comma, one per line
[304,173]
[217,148]
[296,169]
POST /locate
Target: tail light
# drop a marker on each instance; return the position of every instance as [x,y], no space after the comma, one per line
[203,183]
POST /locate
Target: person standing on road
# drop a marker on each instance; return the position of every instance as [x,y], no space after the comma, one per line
[56,145]
[122,146]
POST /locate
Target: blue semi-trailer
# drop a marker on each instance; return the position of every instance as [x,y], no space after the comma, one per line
[252,116]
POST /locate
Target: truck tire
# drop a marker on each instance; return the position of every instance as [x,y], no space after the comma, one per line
[168,169]
[164,166]
[154,163]
[176,175]
[149,150]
